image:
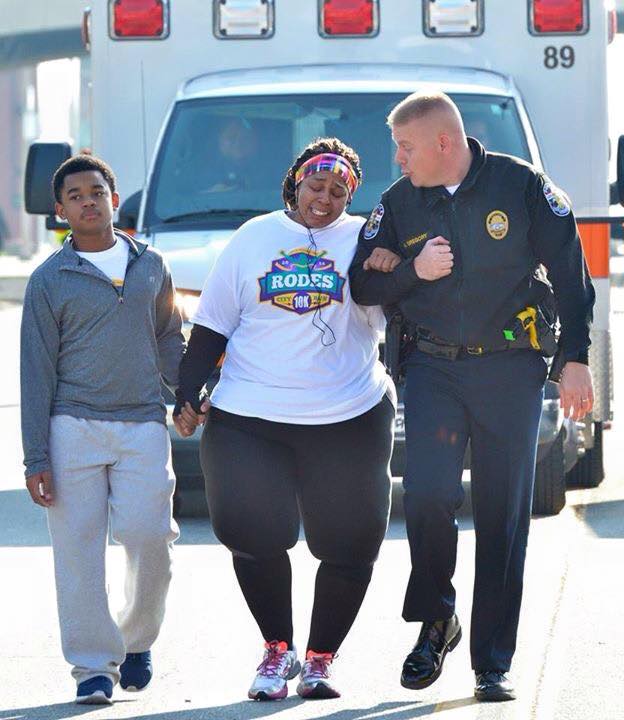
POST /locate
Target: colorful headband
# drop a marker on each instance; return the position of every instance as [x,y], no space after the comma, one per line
[333,163]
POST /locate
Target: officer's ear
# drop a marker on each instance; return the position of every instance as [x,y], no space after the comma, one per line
[444,142]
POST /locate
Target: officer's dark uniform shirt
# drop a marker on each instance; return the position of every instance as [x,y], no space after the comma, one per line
[505,219]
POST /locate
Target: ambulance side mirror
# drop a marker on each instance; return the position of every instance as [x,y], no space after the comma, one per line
[619,183]
[41,164]
[129,212]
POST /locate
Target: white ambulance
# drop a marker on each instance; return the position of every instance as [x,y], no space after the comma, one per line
[200,106]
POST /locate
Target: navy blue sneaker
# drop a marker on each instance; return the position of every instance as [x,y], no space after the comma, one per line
[97,690]
[136,671]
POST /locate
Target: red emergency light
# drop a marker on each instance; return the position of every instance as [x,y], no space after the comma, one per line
[349,18]
[612,24]
[558,16]
[139,19]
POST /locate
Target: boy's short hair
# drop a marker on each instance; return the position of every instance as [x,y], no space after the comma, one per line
[82,163]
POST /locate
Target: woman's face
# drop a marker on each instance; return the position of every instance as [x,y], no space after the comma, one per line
[321,199]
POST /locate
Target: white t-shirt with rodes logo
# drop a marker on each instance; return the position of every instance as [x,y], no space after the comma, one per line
[269,292]
[111,262]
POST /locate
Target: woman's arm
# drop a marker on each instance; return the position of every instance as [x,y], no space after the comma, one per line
[204,349]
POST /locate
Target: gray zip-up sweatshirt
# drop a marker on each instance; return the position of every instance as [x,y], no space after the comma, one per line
[91,350]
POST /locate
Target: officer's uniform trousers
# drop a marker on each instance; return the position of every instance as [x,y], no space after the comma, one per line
[495,400]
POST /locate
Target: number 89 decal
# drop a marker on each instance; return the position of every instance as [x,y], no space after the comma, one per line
[558,57]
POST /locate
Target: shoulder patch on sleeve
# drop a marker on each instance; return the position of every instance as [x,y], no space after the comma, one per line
[374,221]
[556,198]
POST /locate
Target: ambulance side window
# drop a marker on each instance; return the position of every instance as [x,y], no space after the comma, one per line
[494,121]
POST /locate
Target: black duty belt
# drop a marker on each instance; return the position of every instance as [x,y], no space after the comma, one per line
[452,352]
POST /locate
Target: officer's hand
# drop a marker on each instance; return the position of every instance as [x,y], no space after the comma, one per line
[381,259]
[576,390]
[40,488]
[435,259]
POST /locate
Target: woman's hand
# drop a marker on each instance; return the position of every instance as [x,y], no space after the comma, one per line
[188,420]
[381,259]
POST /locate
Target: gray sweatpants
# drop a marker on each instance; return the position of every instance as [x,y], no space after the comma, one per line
[117,471]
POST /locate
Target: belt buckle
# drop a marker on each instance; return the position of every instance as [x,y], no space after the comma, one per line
[474,350]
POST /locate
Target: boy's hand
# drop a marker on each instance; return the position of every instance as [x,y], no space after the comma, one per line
[188,420]
[40,488]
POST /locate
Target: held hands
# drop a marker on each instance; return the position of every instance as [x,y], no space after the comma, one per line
[435,260]
[576,392]
[188,420]
[381,259]
[40,488]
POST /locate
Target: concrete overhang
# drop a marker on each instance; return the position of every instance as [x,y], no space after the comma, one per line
[39,30]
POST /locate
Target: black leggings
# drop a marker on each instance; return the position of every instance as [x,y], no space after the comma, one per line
[261,476]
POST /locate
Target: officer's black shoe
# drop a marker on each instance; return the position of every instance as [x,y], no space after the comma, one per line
[493,686]
[422,667]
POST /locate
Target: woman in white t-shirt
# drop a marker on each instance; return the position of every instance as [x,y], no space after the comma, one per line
[300,423]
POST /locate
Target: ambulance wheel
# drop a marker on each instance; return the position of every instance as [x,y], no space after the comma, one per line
[589,470]
[550,481]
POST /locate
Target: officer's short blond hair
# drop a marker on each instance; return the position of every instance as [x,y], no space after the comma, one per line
[419,105]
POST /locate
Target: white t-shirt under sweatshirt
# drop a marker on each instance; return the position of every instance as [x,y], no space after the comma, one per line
[111,262]
[263,294]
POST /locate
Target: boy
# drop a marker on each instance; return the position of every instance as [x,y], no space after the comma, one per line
[99,329]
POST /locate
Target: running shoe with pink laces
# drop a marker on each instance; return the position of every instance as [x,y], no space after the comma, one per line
[315,678]
[278,665]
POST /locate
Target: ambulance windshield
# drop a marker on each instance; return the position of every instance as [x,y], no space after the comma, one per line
[223,160]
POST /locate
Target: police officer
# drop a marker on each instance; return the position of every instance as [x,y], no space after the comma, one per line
[455,244]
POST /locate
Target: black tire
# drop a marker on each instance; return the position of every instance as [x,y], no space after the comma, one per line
[550,481]
[589,470]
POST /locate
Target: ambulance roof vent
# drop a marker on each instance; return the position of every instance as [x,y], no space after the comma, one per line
[243,19]
[452,18]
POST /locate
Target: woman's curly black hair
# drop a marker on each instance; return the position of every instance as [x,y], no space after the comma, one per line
[316,147]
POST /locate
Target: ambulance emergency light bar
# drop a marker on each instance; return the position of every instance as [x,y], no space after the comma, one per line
[240,19]
[452,18]
[558,17]
[348,18]
[138,19]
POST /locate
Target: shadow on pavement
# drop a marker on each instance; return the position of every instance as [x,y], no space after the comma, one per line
[392,711]
[605,519]
[24,524]
[236,711]
[248,710]
[196,531]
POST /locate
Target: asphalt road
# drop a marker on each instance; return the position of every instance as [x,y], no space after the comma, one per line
[569,663]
